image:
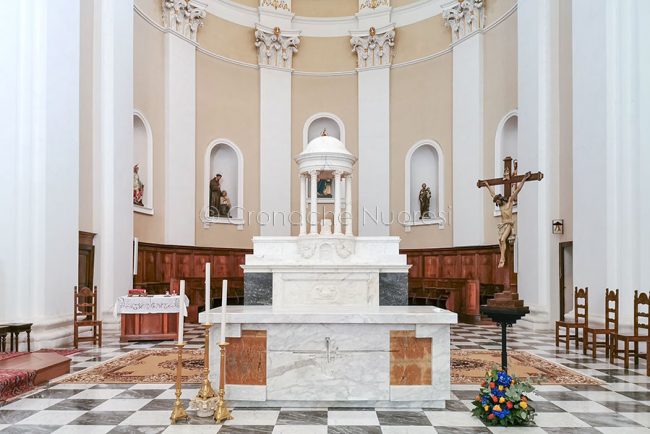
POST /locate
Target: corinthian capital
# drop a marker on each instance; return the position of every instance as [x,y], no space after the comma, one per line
[464,17]
[276,47]
[373,47]
[184,16]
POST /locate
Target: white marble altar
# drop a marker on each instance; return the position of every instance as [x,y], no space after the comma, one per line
[326,321]
[336,357]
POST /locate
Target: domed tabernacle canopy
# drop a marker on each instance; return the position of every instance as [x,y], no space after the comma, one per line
[325,169]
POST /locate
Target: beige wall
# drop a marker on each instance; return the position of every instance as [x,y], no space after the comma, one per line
[500,97]
[325,55]
[228,39]
[152,8]
[86,119]
[325,8]
[495,9]
[249,3]
[227,106]
[149,98]
[421,108]
[421,39]
[311,95]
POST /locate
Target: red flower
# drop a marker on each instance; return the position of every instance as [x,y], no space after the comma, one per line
[491,384]
[509,404]
[483,384]
[490,416]
[494,398]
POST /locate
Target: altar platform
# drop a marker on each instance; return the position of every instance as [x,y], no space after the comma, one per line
[381,356]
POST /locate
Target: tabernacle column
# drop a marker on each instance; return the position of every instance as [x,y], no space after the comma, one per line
[337,202]
[314,196]
[348,204]
[303,205]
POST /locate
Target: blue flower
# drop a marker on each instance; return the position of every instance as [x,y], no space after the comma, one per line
[501,414]
[503,379]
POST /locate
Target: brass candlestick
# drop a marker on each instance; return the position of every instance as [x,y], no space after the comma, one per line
[206,391]
[205,402]
[221,413]
[178,412]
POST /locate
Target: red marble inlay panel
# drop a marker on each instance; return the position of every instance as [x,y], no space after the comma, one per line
[246,358]
[410,359]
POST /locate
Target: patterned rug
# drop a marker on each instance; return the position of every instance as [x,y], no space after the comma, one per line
[14,382]
[467,367]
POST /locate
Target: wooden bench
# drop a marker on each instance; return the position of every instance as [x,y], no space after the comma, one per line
[457,295]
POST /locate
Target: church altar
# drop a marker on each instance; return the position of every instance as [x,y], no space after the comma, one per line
[325,321]
[149,318]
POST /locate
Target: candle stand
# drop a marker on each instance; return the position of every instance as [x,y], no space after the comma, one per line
[178,412]
[205,401]
[222,413]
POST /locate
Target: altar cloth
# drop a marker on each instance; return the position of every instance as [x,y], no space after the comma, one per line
[150,304]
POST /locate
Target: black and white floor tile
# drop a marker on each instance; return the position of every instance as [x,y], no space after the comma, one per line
[619,406]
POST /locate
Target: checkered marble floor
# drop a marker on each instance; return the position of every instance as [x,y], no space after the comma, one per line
[620,405]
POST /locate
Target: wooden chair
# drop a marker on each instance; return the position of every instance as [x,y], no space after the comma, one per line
[611,326]
[581,309]
[85,315]
[641,321]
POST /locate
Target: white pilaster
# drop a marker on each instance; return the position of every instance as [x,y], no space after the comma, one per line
[337,202]
[538,149]
[276,48]
[467,128]
[39,165]
[113,150]
[303,204]
[313,177]
[373,48]
[611,90]
[180,121]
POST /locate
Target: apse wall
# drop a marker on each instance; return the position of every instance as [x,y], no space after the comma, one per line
[324,79]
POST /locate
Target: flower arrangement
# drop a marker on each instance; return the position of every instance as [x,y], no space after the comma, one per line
[502,400]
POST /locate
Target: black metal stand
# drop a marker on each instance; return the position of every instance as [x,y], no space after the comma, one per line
[504,316]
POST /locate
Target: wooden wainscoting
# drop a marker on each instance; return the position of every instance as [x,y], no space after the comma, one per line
[459,279]
[161,267]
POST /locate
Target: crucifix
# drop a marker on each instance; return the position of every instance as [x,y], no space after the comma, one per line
[507,200]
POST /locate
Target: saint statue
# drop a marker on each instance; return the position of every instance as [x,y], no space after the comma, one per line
[506,204]
[215,194]
[224,204]
[425,201]
[138,187]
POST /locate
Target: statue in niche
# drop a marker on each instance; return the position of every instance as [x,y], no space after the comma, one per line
[324,188]
[215,194]
[425,201]
[138,187]
[224,204]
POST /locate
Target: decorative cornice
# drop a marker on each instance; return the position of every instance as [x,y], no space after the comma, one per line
[373,4]
[184,16]
[283,5]
[464,17]
[374,47]
[275,48]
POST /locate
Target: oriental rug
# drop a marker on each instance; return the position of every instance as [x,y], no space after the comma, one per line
[467,367]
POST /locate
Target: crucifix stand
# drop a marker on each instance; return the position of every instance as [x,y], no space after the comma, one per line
[506,307]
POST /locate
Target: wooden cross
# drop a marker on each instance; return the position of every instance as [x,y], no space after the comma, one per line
[510,177]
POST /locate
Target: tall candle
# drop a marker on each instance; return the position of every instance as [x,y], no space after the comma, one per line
[224,303]
[181,305]
[207,288]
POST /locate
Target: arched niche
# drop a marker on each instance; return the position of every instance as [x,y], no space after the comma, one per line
[143,158]
[224,157]
[317,122]
[424,164]
[505,144]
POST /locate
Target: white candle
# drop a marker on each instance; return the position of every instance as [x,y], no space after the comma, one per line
[224,303]
[181,304]
[207,289]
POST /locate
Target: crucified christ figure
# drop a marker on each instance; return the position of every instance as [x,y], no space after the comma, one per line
[505,205]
